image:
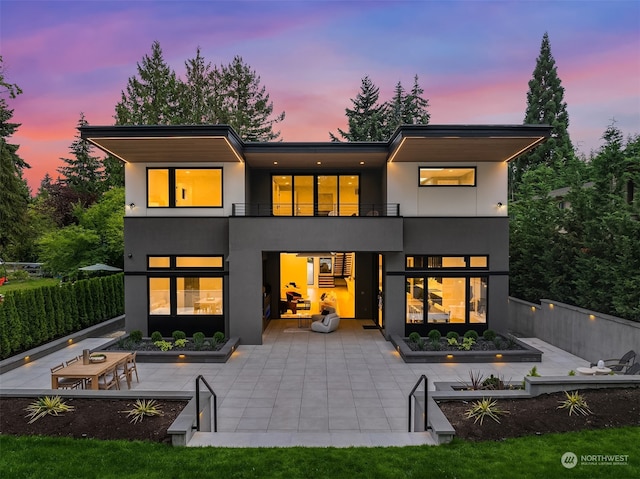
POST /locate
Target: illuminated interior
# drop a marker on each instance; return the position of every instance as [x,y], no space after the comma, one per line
[199,295]
[194,187]
[295,195]
[447,176]
[314,280]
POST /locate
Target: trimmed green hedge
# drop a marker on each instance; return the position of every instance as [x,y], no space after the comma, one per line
[31,317]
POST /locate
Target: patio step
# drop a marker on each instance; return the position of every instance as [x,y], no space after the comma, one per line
[310,439]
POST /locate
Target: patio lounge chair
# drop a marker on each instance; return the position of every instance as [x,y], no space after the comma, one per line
[635,369]
[619,366]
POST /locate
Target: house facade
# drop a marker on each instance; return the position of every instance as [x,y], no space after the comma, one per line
[411,233]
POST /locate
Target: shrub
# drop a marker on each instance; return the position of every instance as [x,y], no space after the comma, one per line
[494,383]
[452,341]
[420,344]
[434,335]
[483,408]
[181,343]
[142,408]
[452,334]
[156,336]
[46,405]
[435,345]
[467,344]
[475,378]
[489,335]
[135,335]
[198,339]
[163,345]
[575,402]
[218,337]
[572,373]
[497,343]
[177,334]
[414,337]
[471,334]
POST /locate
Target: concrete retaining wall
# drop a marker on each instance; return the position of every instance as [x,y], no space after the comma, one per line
[587,334]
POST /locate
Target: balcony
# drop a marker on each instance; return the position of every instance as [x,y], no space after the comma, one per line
[315,209]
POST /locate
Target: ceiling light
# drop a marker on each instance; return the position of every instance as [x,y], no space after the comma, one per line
[275,162]
[318,162]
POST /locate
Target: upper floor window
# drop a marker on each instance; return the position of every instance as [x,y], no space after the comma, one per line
[184,187]
[315,195]
[447,176]
[190,262]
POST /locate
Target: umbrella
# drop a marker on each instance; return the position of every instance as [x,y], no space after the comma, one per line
[99,267]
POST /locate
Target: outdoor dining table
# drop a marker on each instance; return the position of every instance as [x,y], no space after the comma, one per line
[91,371]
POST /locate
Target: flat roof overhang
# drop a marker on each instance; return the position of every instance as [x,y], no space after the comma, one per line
[464,143]
[410,143]
[167,143]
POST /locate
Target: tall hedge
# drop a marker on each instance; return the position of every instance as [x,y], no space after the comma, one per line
[32,317]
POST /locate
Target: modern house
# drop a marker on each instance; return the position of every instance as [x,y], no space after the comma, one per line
[411,233]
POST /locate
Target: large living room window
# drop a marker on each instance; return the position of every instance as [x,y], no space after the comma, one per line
[448,290]
[447,176]
[184,187]
[192,285]
[315,195]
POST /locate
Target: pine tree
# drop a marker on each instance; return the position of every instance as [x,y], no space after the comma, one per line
[415,110]
[245,104]
[201,101]
[83,173]
[14,192]
[406,108]
[154,97]
[367,117]
[546,105]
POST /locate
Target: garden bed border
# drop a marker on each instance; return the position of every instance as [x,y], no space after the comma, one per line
[182,428]
[219,356]
[529,354]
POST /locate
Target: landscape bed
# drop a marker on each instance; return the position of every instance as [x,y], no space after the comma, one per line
[521,352]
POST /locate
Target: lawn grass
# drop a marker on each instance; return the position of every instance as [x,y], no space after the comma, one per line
[528,457]
[30,283]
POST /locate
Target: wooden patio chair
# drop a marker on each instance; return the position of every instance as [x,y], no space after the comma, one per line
[67,383]
[109,380]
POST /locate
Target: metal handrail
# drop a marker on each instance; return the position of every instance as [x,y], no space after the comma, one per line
[215,403]
[342,210]
[426,396]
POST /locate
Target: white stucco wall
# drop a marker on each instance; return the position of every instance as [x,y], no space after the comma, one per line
[136,189]
[481,200]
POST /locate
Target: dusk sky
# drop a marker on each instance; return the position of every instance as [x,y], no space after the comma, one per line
[473,58]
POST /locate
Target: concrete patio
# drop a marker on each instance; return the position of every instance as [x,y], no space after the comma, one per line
[347,388]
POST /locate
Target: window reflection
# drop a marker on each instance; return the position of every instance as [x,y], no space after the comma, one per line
[199,295]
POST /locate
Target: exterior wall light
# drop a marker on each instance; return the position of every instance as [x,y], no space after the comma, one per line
[132,205]
[449,356]
[498,355]
[499,204]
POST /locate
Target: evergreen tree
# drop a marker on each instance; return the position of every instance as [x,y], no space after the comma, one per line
[113,172]
[154,97]
[201,101]
[83,172]
[14,192]
[367,117]
[245,104]
[546,105]
[406,108]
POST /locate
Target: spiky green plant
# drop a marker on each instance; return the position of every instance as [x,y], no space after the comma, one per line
[52,405]
[486,407]
[575,403]
[143,408]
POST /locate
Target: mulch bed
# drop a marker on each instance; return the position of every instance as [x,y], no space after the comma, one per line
[91,418]
[540,415]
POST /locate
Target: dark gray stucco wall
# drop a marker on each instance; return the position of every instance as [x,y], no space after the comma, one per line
[249,237]
[145,236]
[451,236]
